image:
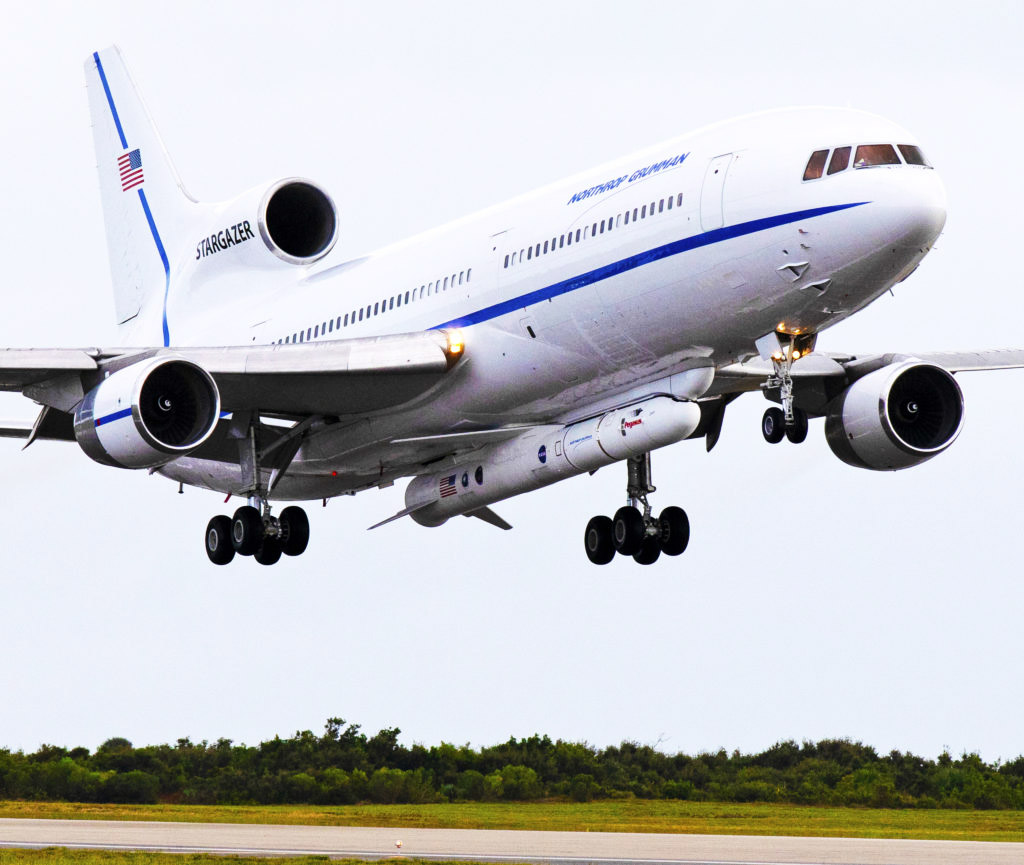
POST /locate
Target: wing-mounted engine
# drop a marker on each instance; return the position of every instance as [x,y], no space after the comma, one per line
[292,221]
[147,414]
[895,417]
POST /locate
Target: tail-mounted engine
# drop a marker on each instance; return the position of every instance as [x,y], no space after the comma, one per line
[147,414]
[294,219]
[895,417]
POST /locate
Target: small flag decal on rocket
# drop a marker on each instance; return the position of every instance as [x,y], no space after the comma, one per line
[130,166]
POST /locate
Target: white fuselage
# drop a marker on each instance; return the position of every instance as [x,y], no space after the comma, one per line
[588,292]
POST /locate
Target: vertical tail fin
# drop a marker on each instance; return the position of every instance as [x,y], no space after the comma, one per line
[145,206]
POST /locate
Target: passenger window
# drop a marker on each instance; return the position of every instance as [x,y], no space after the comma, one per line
[840,160]
[309,333]
[602,226]
[869,155]
[643,212]
[391,303]
[670,202]
[506,262]
[661,206]
[577,235]
[679,200]
[360,313]
[330,328]
[815,165]
[627,218]
[469,273]
[634,214]
[446,283]
[593,229]
[537,250]
[376,308]
[553,241]
[545,247]
[316,331]
[346,319]
[913,155]
[339,322]
[461,272]
[561,241]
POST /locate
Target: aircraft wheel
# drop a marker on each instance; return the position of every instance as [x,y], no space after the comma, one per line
[650,549]
[218,540]
[599,540]
[628,530]
[246,530]
[675,530]
[773,425]
[294,531]
[798,431]
[269,551]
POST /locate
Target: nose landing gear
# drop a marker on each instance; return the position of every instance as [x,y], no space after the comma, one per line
[636,533]
[789,421]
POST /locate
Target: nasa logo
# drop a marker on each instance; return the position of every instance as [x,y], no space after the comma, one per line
[542,454]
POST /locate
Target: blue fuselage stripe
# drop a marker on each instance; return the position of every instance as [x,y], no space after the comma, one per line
[639,260]
[113,416]
[110,99]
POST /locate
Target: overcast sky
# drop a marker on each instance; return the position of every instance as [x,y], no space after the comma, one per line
[816,600]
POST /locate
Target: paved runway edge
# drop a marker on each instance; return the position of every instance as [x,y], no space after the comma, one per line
[500,845]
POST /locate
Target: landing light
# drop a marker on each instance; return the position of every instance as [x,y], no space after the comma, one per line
[455,342]
[796,354]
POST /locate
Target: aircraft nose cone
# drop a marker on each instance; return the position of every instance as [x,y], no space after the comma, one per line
[920,206]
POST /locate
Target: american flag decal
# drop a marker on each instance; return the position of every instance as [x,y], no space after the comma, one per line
[130,166]
[448,486]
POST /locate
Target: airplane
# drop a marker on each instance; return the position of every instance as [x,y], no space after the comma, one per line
[586,323]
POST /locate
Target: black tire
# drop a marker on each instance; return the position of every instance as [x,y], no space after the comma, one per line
[599,540]
[218,540]
[648,553]
[269,551]
[294,531]
[675,530]
[246,530]
[628,530]
[798,431]
[773,425]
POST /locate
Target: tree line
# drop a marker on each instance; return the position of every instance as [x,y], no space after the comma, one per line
[345,766]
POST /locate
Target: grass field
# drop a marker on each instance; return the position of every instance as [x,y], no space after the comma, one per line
[611,816]
[60,856]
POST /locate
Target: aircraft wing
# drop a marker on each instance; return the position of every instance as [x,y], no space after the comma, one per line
[751,375]
[322,378]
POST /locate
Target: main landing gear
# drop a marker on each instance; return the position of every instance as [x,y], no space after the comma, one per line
[251,532]
[635,533]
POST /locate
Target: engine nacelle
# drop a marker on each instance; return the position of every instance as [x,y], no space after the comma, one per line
[147,414]
[548,454]
[293,218]
[895,417]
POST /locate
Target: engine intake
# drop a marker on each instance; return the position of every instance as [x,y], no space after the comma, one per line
[147,414]
[895,417]
[298,221]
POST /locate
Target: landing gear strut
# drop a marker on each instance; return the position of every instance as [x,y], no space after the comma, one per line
[636,533]
[253,530]
[789,421]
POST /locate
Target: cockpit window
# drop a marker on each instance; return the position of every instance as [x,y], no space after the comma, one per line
[840,160]
[815,165]
[913,155]
[875,154]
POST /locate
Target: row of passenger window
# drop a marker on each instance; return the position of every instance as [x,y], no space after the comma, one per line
[581,234]
[867,156]
[428,289]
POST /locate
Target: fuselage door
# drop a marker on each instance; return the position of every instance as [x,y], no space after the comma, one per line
[712,191]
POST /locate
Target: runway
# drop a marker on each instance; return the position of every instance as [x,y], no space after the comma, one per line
[556,848]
